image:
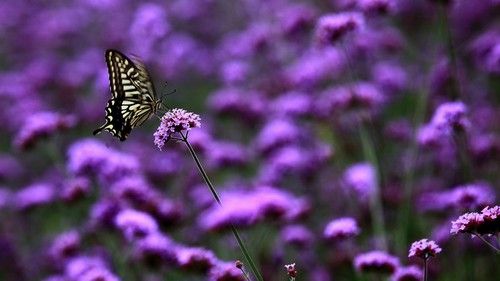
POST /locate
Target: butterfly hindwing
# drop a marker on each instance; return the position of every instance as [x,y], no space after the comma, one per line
[133,96]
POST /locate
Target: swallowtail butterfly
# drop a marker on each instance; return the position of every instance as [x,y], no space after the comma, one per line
[133,98]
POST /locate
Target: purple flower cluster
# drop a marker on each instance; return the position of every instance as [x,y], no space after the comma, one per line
[424,249]
[260,204]
[175,121]
[341,228]
[487,222]
[376,261]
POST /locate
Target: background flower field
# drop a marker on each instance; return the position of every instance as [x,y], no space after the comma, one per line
[336,132]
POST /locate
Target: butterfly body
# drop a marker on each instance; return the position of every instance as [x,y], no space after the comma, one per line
[133,98]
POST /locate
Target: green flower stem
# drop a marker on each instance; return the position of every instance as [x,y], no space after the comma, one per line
[377,211]
[216,196]
[409,174]
[451,52]
[497,250]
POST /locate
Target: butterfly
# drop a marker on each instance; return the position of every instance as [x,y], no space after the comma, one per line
[133,98]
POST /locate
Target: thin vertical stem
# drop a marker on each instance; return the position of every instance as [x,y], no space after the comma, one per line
[425,268]
[377,211]
[216,196]
[489,244]
[409,176]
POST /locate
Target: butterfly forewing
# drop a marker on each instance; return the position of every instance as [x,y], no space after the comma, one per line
[133,96]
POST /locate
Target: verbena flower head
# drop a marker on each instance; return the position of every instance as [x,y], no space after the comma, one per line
[451,117]
[330,28]
[155,248]
[34,195]
[424,249]
[485,223]
[175,121]
[260,203]
[407,273]
[291,270]
[297,235]
[341,228]
[198,259]
[87,268]
[42,124]
[376,6]
[135,224]
[362,179]
[65,246]
[376,261]
[276,133]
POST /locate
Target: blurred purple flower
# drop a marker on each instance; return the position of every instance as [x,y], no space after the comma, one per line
[342,228]
[88,268]
[243,104]
[100,274]
[376,261]
[226,153]
[197,259]
[407,273]
[465,197]
[294,160]
[65,246]
[277,132]
[485,51]
[135,224]
[376,6]
[297,235]
[150,24]
[260,203]
[75,189]
[390,76]
[179,54]
[331,27]
[351,102]
[451,117]
[103,212]
[78,71]
[39,125]
[362,179]
[371,41]
[473,196]
[91,156]
[315,66]
[234,72]
[155,248]
[175,121]
[253,40]
[225,271]
[295,18]
[133,188]
[33,196]
[424,249]
[292,104]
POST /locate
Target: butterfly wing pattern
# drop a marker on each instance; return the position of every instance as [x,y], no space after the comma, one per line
[133,98]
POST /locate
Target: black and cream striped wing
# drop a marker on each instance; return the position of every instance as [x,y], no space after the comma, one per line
[133,98]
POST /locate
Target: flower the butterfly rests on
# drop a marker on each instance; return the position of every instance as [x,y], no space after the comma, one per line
[133,98]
